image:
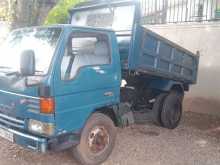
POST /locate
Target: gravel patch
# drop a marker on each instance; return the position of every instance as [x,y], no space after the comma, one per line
[192,143]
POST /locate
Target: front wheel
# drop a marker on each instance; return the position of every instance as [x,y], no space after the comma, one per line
[172,110]
[97,140]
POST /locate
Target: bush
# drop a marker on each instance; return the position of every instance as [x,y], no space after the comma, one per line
[59,14]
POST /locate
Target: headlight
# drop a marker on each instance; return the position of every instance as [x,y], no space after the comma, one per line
[40,127]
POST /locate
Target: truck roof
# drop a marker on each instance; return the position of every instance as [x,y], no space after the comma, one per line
[82,27]
[71,26]
[99,3]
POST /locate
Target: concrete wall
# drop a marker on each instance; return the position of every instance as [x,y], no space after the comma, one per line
[206,39]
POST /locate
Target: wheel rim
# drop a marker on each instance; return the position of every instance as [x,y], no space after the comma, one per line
[98,140]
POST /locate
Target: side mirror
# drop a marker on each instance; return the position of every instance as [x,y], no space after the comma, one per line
[27,63]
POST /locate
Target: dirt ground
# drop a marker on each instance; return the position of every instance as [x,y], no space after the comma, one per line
[195,142]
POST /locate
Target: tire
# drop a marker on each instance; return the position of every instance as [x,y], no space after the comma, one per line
[172,110]
[157,108]
[99,129]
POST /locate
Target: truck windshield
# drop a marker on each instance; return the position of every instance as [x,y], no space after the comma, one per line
[41,40]
[118,18]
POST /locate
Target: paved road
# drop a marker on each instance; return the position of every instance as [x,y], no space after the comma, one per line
[195,142]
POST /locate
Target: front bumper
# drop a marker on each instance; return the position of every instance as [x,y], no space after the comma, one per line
[40,144]
[34,143]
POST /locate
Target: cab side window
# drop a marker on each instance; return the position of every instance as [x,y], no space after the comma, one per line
[84,49]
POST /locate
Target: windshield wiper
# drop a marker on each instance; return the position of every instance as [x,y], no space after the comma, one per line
[6,70]
[5,67]
[16,73]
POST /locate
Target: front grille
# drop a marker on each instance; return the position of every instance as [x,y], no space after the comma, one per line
[11,122]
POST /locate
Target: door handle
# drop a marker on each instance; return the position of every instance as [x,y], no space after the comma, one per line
[109,94]
[100,71]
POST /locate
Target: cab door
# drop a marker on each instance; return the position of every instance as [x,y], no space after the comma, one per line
[89,78]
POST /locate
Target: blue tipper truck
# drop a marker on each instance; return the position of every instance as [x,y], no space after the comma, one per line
[71,86]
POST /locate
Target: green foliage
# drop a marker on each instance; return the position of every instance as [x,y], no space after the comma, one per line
[4,10]
[59,14]
[3,13]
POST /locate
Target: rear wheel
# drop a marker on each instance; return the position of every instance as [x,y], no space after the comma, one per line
[172,110]
[157,108]
[97,140]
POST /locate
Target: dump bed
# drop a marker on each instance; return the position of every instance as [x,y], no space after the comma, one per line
[157,56]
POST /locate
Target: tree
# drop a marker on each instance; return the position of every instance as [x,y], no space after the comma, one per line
[5,7]
[30,12]
[59,14]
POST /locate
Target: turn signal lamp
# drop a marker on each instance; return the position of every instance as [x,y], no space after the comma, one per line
[47,105]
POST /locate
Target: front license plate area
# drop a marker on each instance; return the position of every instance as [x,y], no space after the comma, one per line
[6,135]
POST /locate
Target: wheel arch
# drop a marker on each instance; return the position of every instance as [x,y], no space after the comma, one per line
[177,88]
[110,112]
[167,85]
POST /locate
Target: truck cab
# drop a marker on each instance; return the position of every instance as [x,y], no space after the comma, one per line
[61,86]
[53,78]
